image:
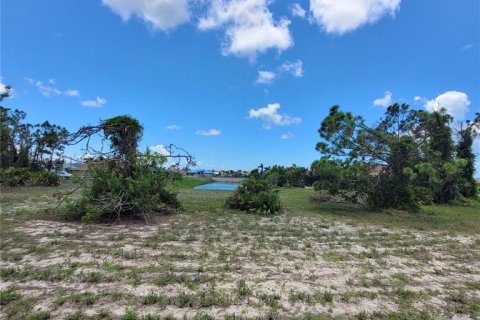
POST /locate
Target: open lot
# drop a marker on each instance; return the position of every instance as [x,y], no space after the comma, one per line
[315,261]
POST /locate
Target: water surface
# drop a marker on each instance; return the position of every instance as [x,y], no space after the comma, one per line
[217,186]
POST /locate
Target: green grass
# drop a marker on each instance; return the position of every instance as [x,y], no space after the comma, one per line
[192,182]
[457,218]
[449,218]
[8,295]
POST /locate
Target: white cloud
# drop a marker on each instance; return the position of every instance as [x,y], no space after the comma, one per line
[417,98]
[467,46]
[50,90]
[297,10]
[211,132]
[173,127]
[265,77]
[47,91]
[287,136]
[160,149]
[72,93]
[456,104]
[96,103]
[270,116]
[294,68]
[342,16]
[3,87]
[249,26]
[159,14]
[385,101]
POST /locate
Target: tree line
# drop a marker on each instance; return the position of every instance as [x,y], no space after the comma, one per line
[25,145]
[418,157]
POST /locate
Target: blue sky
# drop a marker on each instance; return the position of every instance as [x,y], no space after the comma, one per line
[239,82]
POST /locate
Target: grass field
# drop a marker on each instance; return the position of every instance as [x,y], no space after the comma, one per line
[314,261]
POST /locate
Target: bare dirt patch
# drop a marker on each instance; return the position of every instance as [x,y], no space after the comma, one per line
[221,265]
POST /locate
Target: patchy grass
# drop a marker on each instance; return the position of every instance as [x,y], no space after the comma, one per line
[190,182]
[315,261]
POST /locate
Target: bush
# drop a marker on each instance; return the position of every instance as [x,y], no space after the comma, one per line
[124,182]
[390,192]
[15,176]
[46,179]
[114,194]
[423,195]
[255,196]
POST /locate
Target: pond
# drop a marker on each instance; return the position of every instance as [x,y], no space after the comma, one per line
[217,186]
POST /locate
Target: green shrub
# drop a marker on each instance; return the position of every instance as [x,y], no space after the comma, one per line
[126,183]
[46,179]
[391,192]
[15,176]
[423,195]
[114,194]
[255,196]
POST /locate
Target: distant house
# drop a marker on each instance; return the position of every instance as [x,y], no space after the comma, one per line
[77,167]
[377,169]
[200,172]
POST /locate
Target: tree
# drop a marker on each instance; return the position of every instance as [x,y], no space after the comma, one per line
[24,145]
[329,175]
[415,149]
[125,183]
[48,142]
[124,133]
[464,150]
[12,136]
[276,175]
[347,137]
[438,150]
[295,176]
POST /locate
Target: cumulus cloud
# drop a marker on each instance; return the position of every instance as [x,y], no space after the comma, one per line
[456,104]
[249,27]
[160,149]
[417,98]
[159,14]
[72,93]
[50,90]
[270,116]
[98,102]
[297,10]
[211,132]
[173,127]
[342,16]
[287,136]
[294,68]
[265,77]
[385,101]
